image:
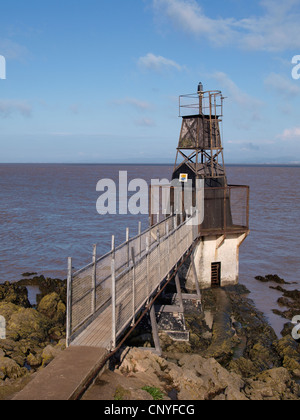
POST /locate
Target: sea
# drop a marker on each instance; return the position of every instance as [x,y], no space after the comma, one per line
[48,213]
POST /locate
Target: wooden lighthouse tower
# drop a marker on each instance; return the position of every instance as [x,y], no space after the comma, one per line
[225,224]
[200,151]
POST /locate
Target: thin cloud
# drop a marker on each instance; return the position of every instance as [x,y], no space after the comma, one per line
[290,134]
[136,103]
[282,85]
[145,122]
[245,101]
[12,107]
[276,29]
[12,50]
[158,63]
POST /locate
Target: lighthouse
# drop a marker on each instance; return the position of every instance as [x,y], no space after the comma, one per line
[200,156]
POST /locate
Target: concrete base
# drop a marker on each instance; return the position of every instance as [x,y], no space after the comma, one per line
[212,249]
[66,377]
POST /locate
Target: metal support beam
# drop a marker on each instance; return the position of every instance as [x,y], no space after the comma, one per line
[178,288]
[155,331]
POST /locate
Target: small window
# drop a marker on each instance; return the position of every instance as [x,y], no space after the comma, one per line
[216,274]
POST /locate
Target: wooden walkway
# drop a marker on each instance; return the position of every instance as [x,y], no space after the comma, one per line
[98,333]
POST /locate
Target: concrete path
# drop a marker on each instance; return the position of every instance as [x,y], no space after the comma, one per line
[66,376]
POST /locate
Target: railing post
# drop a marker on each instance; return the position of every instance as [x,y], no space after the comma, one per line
[113,303]
[140,239]
[248,208]
[159,253]
[128,250]
[148,265]
[133,286]
[94,280]
[69,304]
[225,197]
[113,244]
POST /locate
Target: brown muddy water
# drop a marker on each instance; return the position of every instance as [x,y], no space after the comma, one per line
[48,213]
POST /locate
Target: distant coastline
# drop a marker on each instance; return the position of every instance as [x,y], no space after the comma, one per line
[248,165]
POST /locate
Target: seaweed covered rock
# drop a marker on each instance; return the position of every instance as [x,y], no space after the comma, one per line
[50,352]
[28,324]
[10,369]
[53,307]
[289,351]
[271,278]
[275,384]
[15,294]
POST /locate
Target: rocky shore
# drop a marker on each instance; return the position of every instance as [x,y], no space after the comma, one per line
[232,353]
[34,334]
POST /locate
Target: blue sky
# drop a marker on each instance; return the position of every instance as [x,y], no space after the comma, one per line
[98,80]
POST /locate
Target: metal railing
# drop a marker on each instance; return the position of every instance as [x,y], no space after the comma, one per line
[124,279]
[118,285]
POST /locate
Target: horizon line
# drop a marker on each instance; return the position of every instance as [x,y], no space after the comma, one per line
[296,164]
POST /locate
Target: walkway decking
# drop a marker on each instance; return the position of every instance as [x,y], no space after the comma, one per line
[98,333]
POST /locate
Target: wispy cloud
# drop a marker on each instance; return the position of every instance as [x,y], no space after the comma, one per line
[11,107]
[245,101]
[282,85]
[158,63]
[136,103]
[145,122]
[11,50]
[74,109]
[275,29]
[245,145]
[290,134]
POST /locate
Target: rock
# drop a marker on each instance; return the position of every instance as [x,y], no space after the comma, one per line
[271,278]
[52,306]
[210,379]
[49,353]
[289,351]
[12,293]
[34,360]
[275,384]
[223,343]
[261,356]
[10,369]
[28,324]
[243,367]
[7,309]
[46,286]
[194,377]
